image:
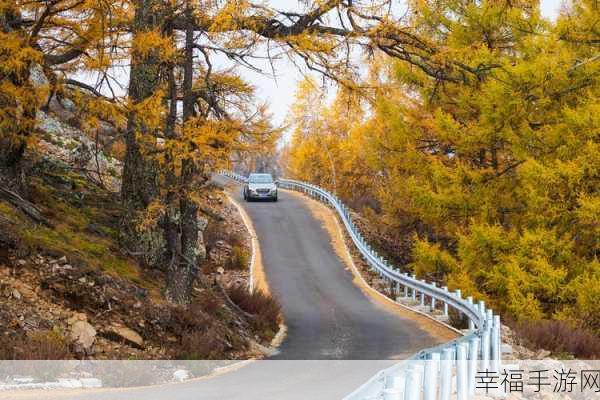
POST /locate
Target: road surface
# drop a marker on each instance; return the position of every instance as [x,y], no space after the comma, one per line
[327,315]
[328,319]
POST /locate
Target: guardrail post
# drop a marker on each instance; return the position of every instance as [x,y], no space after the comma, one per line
[496,343]
[422,299]
[482,308]
[489,321]
[471,323]
[458,296]
[445,304]
[432,298]
[414,382]
[395,388]
[392,394]
[430,381]
[446,373]
[485,348]
[473,360]
[414,292]
[462,388]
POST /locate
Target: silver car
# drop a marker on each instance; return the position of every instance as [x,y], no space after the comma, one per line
[260,186]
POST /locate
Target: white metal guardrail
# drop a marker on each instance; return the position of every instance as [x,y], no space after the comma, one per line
[442,372]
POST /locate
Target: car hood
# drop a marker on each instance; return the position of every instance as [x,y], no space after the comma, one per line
[255,186]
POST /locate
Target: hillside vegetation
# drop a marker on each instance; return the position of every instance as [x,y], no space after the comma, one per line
[70,288]
[489,170]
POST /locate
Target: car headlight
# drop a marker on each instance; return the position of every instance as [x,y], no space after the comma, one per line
[274,190]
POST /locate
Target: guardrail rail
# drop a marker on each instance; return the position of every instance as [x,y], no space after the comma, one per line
[442,372]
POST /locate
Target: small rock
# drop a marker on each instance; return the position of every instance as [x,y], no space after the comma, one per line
[69,383]
[220,270]
[125,334]
[21,263]
[181,375]
[541,354]
[62,260]
[16,294]
[90,383]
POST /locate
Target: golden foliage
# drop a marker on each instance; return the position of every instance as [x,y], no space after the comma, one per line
[496,174]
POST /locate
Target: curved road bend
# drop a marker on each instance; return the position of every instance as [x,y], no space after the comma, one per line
[327,315]
[328,318]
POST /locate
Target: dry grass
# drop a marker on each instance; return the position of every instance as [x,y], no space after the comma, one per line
[40,345]
[85,225]
[559,337]
[239,259]
[201,345]
[265,309]
[218,230]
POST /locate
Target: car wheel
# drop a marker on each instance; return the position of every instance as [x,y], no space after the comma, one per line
[275,199]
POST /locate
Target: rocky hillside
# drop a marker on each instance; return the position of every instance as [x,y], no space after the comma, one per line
[69,289]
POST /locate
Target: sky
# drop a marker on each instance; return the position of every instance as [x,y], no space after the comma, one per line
[279,92]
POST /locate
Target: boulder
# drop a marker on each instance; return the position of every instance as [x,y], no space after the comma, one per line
[122,333]
[83,334]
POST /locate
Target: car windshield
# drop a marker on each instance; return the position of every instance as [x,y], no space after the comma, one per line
[260,178]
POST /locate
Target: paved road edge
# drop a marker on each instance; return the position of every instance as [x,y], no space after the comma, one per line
[258,278]
[364,285]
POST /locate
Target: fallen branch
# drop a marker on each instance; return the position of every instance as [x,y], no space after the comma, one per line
[231,303]
[27,207]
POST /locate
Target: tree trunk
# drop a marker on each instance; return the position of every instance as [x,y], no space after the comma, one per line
[140,177]
[140,180]
[18,114]
[12,149]
[182,274]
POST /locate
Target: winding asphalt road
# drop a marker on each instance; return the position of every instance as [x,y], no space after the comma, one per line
[328,317]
